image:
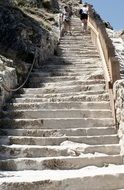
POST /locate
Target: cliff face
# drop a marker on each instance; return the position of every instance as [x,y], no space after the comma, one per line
[49,4]
[22,33]
[25,26]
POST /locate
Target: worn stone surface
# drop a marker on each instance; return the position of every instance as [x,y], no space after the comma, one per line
[119,103]
[9,76]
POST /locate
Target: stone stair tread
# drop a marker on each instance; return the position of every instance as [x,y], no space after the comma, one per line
[72,149]
[59,105]
[52,93]
[110,177]
[62,162]
[54,73]
[46,83]
[56,93]
[59,132]
[63,97]
[61,113]
[75,98]
[80,86]
[67,79]
[44,141]
[57,122]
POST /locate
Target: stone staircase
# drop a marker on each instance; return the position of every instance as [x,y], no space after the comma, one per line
[58,134]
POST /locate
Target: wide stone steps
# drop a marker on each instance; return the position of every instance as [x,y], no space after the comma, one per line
[61,163]
[76,149]
[59,132]
[58,105]
[60,73]
[66,80]
[43,123]
[71,113]
[64,98]
[64,70]
[48,83]
[77,53]
[68,67]
[60,126]
[45,141]
[72,61]
[66,89]
[107,178]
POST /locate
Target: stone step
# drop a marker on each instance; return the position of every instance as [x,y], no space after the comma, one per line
[63,49]
[74,57]
[68,67]
[46,141]
[76,39]
[61,163]
[54,97]
[34,82]
[76,53]
[77,49]
[75,98]
[94,89]
[77,42]
[61,113]
[91,177]
[59,132]
[65,70]
[53,73]
[57,72]
[67,80]
[57,123]
[76,61]
[60,105]
[79,46]
[74,149]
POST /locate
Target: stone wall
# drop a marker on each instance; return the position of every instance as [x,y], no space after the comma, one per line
[119,105]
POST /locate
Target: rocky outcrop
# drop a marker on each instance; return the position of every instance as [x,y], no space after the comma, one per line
[24,28]
[9,76]
[119,103]
[21,35]
[48,4]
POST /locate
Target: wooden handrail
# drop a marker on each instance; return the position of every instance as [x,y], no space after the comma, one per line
[101,53]
[106,49]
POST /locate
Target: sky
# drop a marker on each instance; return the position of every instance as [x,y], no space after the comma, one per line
[111,11]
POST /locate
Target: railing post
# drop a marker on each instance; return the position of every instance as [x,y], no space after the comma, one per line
[114,68]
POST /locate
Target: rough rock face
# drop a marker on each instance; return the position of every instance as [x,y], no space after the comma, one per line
[119,102]
[25,26]
[10,78]
[20,35]
[49,4]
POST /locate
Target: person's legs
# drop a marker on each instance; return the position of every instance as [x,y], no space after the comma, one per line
[69,27]
[82,25]
[66,26]
[85,25]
